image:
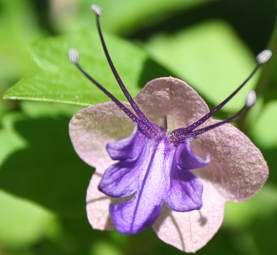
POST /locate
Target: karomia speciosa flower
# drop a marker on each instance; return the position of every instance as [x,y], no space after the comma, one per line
[162,160]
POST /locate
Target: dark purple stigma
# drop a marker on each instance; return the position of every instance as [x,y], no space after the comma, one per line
[150,129]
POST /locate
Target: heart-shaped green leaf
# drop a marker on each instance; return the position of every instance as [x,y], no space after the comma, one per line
[59,81]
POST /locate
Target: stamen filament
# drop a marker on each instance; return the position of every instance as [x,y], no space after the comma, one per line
[262,58]
[204,118]
[220,123]
[113,68]
[249,102]
[74,58]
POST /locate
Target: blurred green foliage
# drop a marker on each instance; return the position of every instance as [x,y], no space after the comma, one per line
[224,65]
[211,44]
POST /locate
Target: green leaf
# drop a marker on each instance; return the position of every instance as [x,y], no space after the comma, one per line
[9,139]
[35,175]
[59,81]
[36,110]
[101,248]
[42,170]
[16,228]
[263,131]
[209,56]
[18,30]
[238,215]
[263,128]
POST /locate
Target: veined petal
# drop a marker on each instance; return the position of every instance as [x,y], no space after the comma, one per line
[122,179]
[173,98]
[185,159]
[128,148]
[185,190]
[237,168]
[143,208]
[90,131]
[190,231]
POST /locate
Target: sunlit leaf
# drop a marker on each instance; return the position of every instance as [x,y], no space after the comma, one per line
[9,139]
[101,248]
[210,56]
[239,215]
[16,228]
[265,125]
[22,222]
[59,81]
[36,110]
[263,130]
[18,30]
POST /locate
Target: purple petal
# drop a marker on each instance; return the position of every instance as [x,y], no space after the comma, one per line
[185,159]
[128,148]
[190,231]
[122,178]
[133,216]
[185,191]
[144,207]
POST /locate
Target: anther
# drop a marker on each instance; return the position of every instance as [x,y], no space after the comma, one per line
[73,56]
[250,99]
[96,9]
[264,56]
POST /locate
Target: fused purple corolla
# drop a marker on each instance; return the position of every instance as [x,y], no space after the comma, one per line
[170,172]
[151,172]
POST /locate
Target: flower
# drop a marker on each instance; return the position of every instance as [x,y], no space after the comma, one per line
[161,160]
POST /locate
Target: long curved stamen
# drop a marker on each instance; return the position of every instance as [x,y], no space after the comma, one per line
[262,58]
[249,102]
[97,10]
[74,59]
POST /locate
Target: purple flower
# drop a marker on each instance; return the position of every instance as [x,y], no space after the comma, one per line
[161,159]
